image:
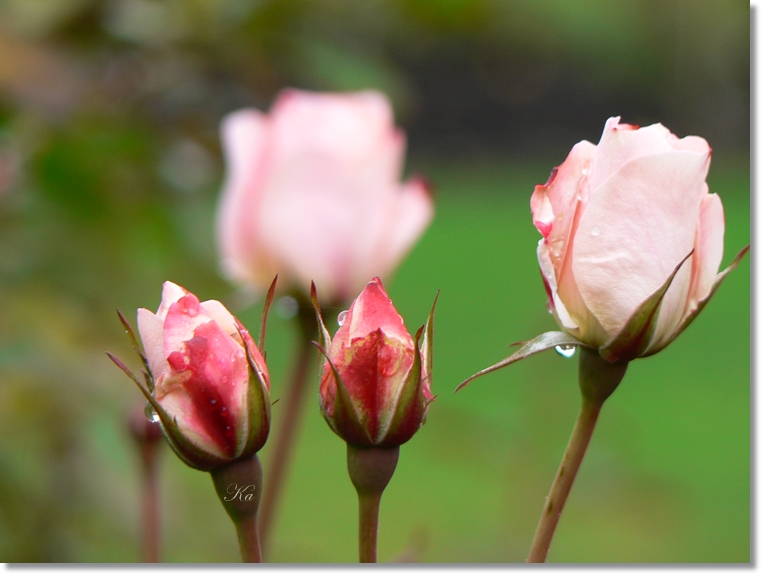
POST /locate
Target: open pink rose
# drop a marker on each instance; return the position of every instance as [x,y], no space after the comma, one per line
[313,194]
[617,219]
[376,384]
[210,382]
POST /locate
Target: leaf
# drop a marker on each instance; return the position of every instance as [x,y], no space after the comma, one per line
[540,343]
[633,339]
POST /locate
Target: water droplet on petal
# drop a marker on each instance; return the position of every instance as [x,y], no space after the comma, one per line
[566,350]
[595,230]
[150,412]
[341,318]
[224,379]
[213,401]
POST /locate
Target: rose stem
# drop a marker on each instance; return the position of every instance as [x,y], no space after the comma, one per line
[598,379]
[292,411]
[370,470]
[147,434]
[239,487]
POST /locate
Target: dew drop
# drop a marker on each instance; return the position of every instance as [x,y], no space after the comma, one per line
[341,318]
[595,230]
[213,401]
[585,171]
[566,350]
[151,414]
[224,379]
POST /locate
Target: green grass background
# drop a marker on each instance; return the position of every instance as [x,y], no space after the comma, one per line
[666,479]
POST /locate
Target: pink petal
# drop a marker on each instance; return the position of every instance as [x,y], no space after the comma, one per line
[635,230]
[170,293]
[213,373]
[244,138]
[621,143]
[373,310]
[411,209]
[151,330]
[340,125]
[709,246]
[219,313]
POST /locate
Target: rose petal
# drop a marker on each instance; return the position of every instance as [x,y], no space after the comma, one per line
[637,226]
[244,140]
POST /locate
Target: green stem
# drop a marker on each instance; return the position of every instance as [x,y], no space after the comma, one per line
[370,504]
[239,487]
[598,379]
[293,407]
[370,470]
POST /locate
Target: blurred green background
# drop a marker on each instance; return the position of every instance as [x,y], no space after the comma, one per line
[110,169]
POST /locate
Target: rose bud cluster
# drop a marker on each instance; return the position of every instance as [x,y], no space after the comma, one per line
[205,379]
[631,239]
[376,383]
[312,193]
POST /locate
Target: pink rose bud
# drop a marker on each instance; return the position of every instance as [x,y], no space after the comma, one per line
[207,381]
[631,238]
[376,383]
[313,193]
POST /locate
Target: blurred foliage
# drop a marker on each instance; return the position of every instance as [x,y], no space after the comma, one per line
[109,174]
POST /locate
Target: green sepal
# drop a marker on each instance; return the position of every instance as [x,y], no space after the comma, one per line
[136,346]
[427,345]
[542,342]
[688,320]
[265,310]
[635,337]
[325,336]
[190,453]
[345,419]
[258,403]
[409,397]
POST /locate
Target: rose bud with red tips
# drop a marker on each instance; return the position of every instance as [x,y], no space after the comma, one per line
[374,393]
[376,383]
[205,379]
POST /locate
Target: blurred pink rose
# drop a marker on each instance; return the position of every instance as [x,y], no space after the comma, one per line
[616,220]
[203,365]
[313,193]
[386,380]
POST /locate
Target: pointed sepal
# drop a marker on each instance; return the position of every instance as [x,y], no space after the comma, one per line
[427,344]
[136,346]
[256,427]
[265,310]
[408,407]
[689,319]
[325,335]
[635,337]
[344,420]
[542,342]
